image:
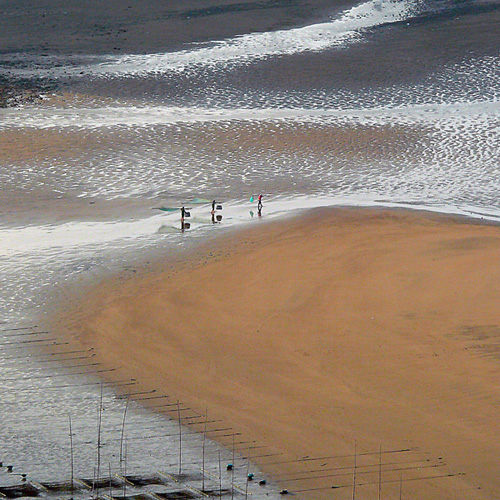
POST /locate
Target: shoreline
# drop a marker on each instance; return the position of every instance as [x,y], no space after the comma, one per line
[284,378]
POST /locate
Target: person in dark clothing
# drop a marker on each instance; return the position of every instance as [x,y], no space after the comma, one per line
[259,205]
[183,214]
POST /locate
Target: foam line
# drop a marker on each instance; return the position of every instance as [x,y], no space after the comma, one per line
[92,118]
[41,239]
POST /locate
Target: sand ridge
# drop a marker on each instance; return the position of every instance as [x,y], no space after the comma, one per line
[341,328]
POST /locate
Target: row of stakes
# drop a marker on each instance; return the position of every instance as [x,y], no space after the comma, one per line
[250,476]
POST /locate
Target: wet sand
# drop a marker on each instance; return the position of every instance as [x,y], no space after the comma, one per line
[340,330]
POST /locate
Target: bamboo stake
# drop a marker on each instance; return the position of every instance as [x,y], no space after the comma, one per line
[151,397]
[71,456]
[358,473]
[158,436]
[309,459]
[246,484]
[125,396]
[232,475]
[19,328]
[64,359]
[110,486]
[220,477]
[22,342]
[180,436]
[64,386]
[312,471]
[56,375]
[125,472]
[354,473]
[380,472]
[16,345]
[99,424]
[251,457]
[203,453]
[163,405]
[33,355]
[122,436]
[25,334]
[66,352]
[387,481]
[198,423]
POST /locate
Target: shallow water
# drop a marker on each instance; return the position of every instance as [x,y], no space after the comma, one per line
[376,103]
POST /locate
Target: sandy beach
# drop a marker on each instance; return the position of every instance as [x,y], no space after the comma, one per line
[341,348]
[338,333]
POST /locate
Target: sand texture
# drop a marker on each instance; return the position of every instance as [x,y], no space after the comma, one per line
[338,331]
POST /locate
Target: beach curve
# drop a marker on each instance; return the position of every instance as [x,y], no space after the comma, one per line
[342,329]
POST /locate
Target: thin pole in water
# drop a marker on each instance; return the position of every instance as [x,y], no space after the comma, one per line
[125,471]
[232,474]
[122,435]
[380,472]
[248,472]
[99,425]
[71,455]
[180,436]
[203,452]
[220,477]
[110,485]
[354,472]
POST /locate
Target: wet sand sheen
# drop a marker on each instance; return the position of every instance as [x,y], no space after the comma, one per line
[369,326]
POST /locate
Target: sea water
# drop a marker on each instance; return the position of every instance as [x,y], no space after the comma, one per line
[377,103]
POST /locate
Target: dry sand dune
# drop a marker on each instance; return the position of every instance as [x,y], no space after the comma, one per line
[374,327]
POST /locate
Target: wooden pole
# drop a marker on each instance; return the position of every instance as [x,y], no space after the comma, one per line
[110,485]
[380,472]
[122,436]
[354,473]
[203,453]
[232,474]
[180,436]
[125,471]
[220,477]
[71,455]
[248,471]
[99,426]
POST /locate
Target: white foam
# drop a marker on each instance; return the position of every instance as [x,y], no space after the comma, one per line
[146,116]
[76,236]
[32,239]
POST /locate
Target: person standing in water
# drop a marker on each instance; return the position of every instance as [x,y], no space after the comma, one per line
[213,212]
[183,213]
[259,205]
